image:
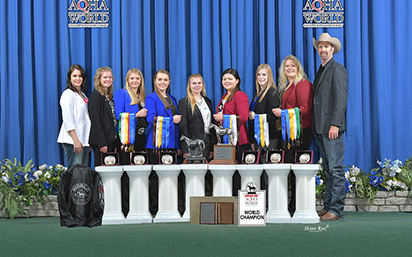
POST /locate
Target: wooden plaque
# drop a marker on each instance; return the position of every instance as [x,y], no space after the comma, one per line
[225,213]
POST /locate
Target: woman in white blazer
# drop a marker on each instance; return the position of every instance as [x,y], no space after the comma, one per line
[75,130]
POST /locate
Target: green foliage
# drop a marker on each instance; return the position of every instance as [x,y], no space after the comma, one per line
[406,174]
[390,175]
[24,184]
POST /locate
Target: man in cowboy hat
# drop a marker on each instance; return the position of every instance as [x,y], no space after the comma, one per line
[330,95]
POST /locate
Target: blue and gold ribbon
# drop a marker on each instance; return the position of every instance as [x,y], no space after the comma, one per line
[162,132]
[261,130]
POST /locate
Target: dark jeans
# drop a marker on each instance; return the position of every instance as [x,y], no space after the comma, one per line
[73,158]
[332,161]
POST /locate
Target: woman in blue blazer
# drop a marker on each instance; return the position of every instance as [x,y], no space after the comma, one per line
[160,103]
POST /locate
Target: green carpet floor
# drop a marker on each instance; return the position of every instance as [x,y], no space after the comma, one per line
[358,234]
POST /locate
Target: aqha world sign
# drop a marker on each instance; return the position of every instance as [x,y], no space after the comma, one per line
[323,14]
[88,14]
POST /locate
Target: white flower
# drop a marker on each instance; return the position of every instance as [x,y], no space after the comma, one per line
[5,177]
[320,181]
[37,174]
[59,166]
[352,179]
[47,174]
[355,170]
[320,160]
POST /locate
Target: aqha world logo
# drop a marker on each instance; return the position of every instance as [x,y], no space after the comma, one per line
[323,14]
[88,14]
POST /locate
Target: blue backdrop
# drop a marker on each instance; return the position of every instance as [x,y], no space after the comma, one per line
[184,37]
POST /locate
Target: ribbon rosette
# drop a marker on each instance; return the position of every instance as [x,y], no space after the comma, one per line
[127,128]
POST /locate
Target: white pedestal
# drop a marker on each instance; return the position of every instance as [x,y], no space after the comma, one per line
[249,173]
[278,193]
[305,193]
[168,201]
[139,194]
[222,179]
[195,184]
[112,194]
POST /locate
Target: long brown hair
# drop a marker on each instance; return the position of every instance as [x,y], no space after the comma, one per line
[141,94]
[99,87]
[190,98]
[270,82]
[235,74]
[167,106]
[73,67]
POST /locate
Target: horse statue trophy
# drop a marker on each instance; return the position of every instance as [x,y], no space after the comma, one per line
[195,147]
[223,153]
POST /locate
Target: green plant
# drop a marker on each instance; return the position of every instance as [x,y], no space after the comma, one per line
[24,184]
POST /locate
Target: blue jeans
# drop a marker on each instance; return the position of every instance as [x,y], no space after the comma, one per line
[73,158]
[332,161]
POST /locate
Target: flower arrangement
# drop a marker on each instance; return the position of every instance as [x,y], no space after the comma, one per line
[24,184]
[390,176]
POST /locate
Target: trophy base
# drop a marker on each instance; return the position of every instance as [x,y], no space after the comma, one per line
[193,160]
[224,162]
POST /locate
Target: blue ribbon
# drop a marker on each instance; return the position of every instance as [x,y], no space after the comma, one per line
[166,132]
[132,127]
[257,129]
[284,117]
[226,124]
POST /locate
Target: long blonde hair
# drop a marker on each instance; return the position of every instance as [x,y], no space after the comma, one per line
[167,106]
[270,83]
[283,79]
[140,96]
[99,87]
[190,98]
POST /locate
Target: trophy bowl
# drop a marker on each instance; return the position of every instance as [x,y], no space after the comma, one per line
[275,158]
[304,158]
[250,158]
[139,159]
[109,160]
[167,159]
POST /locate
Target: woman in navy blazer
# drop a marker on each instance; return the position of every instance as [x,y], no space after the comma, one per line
[196,111]
[160,103]
[101,108]
[263,102]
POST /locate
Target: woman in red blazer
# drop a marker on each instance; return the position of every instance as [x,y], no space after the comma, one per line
[295,90]
[236,102]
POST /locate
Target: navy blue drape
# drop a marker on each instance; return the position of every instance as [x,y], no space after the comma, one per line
[185,37]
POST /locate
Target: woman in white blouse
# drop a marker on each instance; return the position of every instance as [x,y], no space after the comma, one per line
[75,129]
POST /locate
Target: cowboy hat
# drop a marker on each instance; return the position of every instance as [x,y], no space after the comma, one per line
[325,37]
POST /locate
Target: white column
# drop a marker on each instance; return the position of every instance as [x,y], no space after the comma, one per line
[195,184]
[139,194]
[278,193]
[249,173]
[112,194]
[222,179]
[305,193]
[168,201]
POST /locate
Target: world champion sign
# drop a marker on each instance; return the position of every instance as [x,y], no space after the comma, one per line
[323,14]
[88,14]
